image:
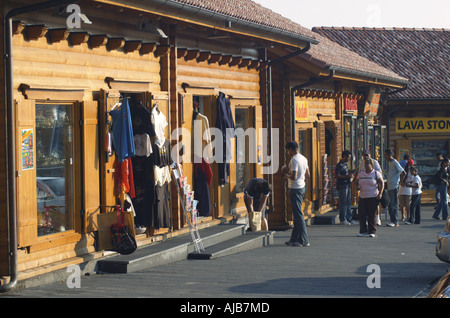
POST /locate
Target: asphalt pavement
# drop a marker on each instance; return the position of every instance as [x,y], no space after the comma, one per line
[398,263]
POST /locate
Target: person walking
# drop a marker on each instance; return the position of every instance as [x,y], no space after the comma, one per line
[394,173]
[439,159]
[443,177]
[371,187]
[416,196]
[404,193]
[377,167]
[295,175]
[344,185]
[255,197]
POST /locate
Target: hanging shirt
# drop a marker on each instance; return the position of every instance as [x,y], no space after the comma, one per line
[162,161]
[142,145]
[206,148]
[141,119]
[159,123]
[122,131]
[123,176]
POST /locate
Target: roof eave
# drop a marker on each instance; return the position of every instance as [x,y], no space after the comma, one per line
[201,16]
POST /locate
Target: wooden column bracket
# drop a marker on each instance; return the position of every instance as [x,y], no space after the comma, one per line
[147,48]
[244,63]
[57,35]
[97,40]
[203,56]
[181,52]
[115,43]
[254,64]
[215,58]
[225,59]
[236,60]
[191,55]
[77,38]
[17,27]
[131,46]
[34,32]
[162,50]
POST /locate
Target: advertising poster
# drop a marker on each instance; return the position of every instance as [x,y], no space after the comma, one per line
[27,149]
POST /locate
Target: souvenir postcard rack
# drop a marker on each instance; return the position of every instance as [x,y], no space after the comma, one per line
[186,197]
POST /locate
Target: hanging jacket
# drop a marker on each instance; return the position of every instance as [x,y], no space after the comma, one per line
[224,120]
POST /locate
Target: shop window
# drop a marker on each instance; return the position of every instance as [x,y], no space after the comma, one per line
[54,168]
[424,155]
[242,156]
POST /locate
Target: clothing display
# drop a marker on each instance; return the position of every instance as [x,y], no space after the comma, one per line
[162,197]
[158,119]
[122,131]
[205,152]
[224,121]
[201,191]
[142,145]
[123,177]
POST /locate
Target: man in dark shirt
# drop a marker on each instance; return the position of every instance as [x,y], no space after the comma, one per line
[344,185]
[255,196]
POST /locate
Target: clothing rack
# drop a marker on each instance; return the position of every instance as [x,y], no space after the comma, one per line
[188,212]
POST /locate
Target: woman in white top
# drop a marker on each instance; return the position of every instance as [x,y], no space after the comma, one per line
[416,196]
[404,193]
[371,187]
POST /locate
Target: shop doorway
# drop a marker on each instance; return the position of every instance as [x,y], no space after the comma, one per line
[54,167]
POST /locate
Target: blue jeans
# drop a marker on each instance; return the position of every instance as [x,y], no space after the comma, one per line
[299,233]
[393,205]
[345,203]
[443,203]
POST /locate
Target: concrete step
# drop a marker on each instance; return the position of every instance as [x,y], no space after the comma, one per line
[329,218]
[248,241]
[169,251]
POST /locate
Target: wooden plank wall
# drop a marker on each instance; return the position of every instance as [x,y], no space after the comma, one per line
[3,173]
[62,66]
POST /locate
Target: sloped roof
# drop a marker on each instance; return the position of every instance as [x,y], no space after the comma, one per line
[326,52]
[251,11]
[421,55]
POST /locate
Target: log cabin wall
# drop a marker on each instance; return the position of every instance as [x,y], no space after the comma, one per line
[43,66]
[205,78]
[3,170]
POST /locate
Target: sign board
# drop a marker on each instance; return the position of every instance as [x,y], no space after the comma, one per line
[422,125]
[301,110]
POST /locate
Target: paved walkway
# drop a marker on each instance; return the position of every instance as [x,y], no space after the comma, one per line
[335,265]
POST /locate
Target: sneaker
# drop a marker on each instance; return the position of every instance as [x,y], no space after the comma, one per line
[345,222]
[408,223]
[306,245]
[372,235]
[353,222]
[289,243]
[297,244]
[392,225]
[378,220]
[362,234]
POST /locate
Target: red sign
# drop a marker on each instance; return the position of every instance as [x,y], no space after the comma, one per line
[350,104]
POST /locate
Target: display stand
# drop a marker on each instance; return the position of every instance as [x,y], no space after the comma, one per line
[186,198]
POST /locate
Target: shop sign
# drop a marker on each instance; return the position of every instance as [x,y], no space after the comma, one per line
[422,125]
[301,110]
[350,104]
[372,103]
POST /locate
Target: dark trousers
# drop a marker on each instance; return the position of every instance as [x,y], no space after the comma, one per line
[415,208]
[367,209]
[299,232]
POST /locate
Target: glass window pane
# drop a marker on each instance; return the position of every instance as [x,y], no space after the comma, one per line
[54,169]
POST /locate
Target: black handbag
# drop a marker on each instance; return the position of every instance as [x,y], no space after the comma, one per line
[122,241]
[385,200]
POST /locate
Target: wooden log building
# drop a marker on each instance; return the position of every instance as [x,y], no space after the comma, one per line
[63,79]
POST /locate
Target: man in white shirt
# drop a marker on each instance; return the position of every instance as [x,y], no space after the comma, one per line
[295,175]
[394,173]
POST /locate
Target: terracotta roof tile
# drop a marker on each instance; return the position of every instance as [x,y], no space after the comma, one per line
[421,55]
[251,11]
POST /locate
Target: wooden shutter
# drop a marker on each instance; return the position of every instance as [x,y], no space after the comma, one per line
[26,173]
[90,164]
[259,142]
[108,100]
